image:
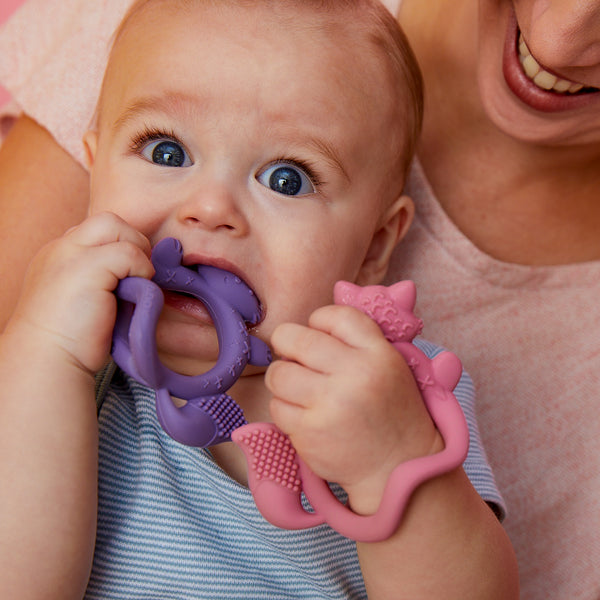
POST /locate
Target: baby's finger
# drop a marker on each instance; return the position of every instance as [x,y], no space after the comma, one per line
[293,383]
[101,267]
[310,347]
[347,324]
[105,228]
[288,417]
[125,259]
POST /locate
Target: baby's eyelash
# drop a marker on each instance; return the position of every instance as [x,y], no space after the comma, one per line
[305,165]
[149,134]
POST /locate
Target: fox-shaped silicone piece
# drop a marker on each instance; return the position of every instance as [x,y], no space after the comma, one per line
[277,476]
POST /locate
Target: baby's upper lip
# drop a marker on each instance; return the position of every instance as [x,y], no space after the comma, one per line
[194,260]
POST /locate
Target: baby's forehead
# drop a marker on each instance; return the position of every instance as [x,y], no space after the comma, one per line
[360,49]
[351,32]
[356,24]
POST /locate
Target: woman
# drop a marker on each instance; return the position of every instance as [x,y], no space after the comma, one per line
[506,189]
[507,229]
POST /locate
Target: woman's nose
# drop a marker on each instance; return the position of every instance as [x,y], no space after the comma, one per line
[564,34]
[213,207]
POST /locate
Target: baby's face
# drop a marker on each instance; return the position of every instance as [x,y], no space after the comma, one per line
[257,144]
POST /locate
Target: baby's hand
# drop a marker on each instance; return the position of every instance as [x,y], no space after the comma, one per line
[348,401]
[67,299]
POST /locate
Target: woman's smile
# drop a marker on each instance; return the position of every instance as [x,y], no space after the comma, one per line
[535,85]
[542,78]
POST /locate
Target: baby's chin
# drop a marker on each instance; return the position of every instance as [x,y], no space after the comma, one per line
[186,365]
[191,367]
[188,344]
[187,349]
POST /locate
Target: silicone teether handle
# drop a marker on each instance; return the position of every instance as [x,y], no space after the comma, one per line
[129,333]
[201,422]
[274,475]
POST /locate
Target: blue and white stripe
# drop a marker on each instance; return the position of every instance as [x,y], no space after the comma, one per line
[173,525]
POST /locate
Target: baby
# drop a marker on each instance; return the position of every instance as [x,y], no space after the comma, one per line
[272,138]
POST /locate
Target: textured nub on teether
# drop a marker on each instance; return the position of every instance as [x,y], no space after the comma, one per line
[224,411]
[272,457]
[390,307]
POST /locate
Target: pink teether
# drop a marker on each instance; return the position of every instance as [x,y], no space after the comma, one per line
[277,475]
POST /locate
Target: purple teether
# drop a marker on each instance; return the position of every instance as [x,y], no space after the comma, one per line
[210,415]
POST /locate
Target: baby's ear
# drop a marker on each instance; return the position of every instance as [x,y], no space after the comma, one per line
[90,141]
[393,227]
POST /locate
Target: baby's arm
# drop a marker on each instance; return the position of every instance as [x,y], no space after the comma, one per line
[57,338]
[353,411]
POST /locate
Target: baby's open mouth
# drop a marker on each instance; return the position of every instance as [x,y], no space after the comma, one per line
[192,305]
[544,79]
[187,304]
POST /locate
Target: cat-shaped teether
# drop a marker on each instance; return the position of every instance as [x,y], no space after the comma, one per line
[277,475]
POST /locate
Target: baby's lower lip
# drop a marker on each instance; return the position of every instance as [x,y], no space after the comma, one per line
[188,305]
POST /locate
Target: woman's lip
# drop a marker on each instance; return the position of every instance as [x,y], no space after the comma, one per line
[526,90]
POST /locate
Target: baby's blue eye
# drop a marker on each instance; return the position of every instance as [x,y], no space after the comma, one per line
[166,153]
[285,178]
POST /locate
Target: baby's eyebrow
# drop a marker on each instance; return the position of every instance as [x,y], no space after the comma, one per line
[330,155]
[171,103]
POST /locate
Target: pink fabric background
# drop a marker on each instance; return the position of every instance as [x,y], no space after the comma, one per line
[6,9]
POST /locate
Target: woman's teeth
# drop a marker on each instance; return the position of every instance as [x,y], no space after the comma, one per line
[542,78]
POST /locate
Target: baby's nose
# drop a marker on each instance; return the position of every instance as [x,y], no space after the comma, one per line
[213,207]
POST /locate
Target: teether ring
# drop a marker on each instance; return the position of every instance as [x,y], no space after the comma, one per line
[210,415]
[277,476]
